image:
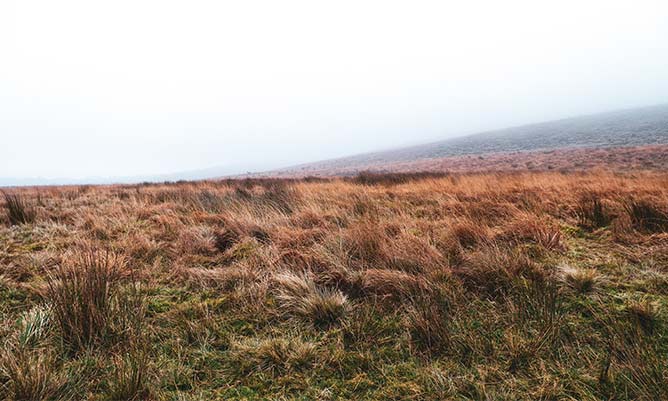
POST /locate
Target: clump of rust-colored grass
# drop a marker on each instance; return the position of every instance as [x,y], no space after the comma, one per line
[494,271]
[365,243]
[19,211]
[387,284]
[646,215]
[209,201]
[280,196]
[82,293]
[197,240]
[469,234]
[528,227]
[592,212]
[413,254]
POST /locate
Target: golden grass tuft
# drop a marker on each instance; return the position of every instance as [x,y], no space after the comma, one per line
[582,281]
[299,295]
[276,355]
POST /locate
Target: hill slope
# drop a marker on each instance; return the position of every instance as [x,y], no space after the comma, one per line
[625,128]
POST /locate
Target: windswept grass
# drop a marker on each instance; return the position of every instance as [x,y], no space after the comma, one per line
[647,215]
[19,211]
[541,286]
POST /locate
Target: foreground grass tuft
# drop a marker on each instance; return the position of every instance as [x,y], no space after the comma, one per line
[82,294]
[276,356]
[298,294]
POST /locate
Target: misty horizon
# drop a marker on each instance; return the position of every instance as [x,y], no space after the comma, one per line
[153,89]
[240,169]
[221,171]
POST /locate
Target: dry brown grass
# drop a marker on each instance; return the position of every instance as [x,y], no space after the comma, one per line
[299,295]
[87,300]
[19,211]
[379,287]
[580,280]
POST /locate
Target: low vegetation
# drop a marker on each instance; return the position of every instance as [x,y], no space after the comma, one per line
[537,286]
[18,210]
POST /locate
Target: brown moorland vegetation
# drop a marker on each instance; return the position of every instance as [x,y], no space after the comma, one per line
[532,285]
[565,159]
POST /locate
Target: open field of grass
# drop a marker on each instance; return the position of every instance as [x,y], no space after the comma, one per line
[537,286]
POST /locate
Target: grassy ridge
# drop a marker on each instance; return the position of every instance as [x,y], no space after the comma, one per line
[511,286]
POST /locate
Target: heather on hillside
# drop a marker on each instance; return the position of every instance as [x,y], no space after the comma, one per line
[537,286]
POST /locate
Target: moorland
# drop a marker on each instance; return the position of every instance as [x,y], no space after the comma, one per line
[421,286]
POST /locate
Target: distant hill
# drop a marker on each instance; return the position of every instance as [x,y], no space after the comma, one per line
[625,139]
[631,128]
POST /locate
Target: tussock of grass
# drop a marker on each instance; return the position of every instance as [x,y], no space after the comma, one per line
[494,272]
[592,212]
[384,283]
[582,281]
[647,216]
[197,240]
[644,315]
[19,211]
[531,228]
[469,234]
[130,378]
[32,375]
[276,356]
[30,368]
[364,243]
[225,239]
[429,321]
[299,295]
[87,301]
[34,327]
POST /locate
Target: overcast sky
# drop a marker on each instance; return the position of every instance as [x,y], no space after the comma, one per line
[120,88]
